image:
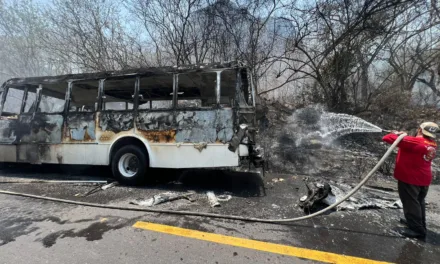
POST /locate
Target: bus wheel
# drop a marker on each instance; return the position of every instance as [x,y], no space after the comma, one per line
[129,165]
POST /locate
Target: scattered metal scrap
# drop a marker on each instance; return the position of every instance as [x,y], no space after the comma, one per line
[163,198]
[325,194]
[277,180]
[315,194]
[213,201]
[224,197]
[97,189]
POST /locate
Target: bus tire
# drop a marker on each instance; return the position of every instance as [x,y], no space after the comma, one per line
[129,165]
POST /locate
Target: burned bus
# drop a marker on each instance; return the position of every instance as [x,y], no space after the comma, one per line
[195,116]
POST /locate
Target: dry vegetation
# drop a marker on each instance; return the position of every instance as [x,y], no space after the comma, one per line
[360,57]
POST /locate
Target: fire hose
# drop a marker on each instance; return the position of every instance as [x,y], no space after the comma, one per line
[213,215]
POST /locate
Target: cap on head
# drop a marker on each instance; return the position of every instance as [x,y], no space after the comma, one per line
[429,129]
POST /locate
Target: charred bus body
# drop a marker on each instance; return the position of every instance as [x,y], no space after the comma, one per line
[195,116]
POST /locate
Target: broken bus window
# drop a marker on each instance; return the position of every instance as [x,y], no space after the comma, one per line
[31,100]
[51,101]
[196,90]
[118,94]
[156,92]
[227,88]
[13,101]
[83,97]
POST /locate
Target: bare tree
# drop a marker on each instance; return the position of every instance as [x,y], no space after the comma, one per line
[21,27]
[337,42]
[167,24]
[250,30]
[88,34]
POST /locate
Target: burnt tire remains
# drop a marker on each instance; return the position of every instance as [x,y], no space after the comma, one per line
[129,165]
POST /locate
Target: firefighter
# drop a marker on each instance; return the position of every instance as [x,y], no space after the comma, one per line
[413,173]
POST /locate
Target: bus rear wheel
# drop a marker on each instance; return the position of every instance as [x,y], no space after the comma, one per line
[129,165]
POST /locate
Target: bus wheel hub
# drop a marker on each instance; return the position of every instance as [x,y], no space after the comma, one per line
[128,165]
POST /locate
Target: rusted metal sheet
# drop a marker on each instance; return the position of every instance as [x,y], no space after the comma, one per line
[155,121]
[114,124]
[106,136]
[209,126]
[164,136]
[110,136]
[116,121]
[80,128]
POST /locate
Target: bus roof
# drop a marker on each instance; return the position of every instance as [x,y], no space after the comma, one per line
[145,72]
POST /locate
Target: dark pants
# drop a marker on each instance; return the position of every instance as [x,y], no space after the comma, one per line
[413,200]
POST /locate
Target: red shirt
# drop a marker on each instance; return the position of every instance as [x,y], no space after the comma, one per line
[413,162]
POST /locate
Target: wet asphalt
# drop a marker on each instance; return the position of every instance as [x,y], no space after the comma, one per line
[37,231]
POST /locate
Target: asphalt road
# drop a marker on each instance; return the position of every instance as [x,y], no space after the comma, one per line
[41,232]
[37,231]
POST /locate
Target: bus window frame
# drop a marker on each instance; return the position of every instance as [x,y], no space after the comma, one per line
[39,97]
[216,89]
[5,91]
[68,100]
[150,109]
[101,105]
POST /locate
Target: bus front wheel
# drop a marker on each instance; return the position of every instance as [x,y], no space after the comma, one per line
[129,165]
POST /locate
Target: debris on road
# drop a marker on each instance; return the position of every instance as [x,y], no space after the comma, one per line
[97,189]
[213,201]
[315,194]
[363,200]
[163,198]
[224,197]
[277,180]
[328,194]
[110,185]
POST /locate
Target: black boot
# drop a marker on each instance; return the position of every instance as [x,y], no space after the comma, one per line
[411,233]
[403,221]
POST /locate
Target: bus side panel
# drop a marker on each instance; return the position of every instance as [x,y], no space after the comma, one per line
[8,153]
[192,156]
[88,154]
[81,128]
[156,127]
[209,126]
[41,128]
[190,126]
[7,131]
[112,125]
[79,154]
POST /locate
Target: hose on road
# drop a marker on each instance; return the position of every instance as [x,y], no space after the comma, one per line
[212,215]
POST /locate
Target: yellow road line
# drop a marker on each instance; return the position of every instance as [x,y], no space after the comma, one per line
[256,245]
